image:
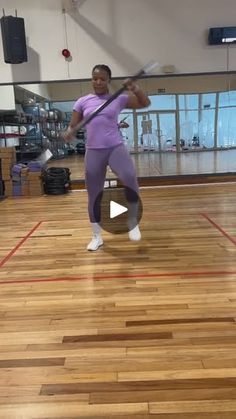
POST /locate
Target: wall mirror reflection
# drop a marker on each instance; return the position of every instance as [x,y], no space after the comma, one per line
[189,127]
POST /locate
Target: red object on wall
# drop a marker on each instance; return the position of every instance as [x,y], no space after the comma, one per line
[66,53]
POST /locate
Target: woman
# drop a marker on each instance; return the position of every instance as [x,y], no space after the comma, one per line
[104,145]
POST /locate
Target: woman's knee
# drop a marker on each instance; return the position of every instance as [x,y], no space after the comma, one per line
[129,176]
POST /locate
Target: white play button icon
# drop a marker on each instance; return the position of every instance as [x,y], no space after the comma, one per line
[116,209]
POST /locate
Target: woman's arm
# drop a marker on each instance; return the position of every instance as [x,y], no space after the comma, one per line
[70,133]
[137,99]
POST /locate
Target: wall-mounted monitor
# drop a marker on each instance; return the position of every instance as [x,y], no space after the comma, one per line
[222,36]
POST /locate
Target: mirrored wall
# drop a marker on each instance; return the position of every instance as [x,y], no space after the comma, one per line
[188,115]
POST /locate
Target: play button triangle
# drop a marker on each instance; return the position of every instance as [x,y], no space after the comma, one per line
[116,209]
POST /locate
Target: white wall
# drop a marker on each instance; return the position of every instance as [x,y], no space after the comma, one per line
[64,91]
[122,33]
[7,98]
[41,90]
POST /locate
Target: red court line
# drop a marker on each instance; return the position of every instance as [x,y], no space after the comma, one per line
[219,228]
[119,276]
[14,250]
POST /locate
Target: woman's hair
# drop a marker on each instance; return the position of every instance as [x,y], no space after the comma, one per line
[103,67]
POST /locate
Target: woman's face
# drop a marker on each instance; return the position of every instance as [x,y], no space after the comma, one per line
[100,81]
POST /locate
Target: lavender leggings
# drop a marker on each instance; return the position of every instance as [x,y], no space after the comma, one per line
[96,162]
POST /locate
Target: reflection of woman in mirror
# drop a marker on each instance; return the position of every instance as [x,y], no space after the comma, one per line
[104,145]
[123,123]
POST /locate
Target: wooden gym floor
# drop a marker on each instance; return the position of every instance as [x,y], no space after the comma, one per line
[134,330]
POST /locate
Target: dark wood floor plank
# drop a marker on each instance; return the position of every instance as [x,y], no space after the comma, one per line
[116,337]
[131,323]
[163,395]
[221,415]
[72,388]
[42,362]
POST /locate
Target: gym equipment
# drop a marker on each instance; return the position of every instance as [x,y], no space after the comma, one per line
[56,180]
[55,115]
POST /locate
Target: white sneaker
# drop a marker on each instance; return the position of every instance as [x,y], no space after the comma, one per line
[135,234]
[95,243]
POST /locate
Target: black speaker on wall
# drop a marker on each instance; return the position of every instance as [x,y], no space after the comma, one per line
[13,39]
